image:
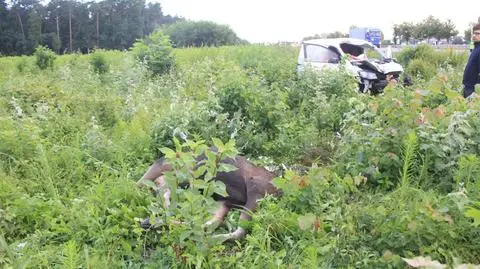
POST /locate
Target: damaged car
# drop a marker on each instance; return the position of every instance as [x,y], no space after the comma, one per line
[374,69]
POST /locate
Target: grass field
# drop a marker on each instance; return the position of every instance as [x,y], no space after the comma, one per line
[386,177]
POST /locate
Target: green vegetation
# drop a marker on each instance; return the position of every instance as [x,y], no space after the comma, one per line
[430,27]
[155,51]
[387,177]
[74,26]
[99,62]
[423,62]
[44,58]
[201,33]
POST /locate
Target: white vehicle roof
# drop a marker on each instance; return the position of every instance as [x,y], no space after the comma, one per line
[337,41]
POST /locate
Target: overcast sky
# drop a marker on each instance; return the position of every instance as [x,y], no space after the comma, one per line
[287,20]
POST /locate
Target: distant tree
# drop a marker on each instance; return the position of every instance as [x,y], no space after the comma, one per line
[467,35]
[458,40]
[20,11]
[336,34]
[8,34]
[396,34]
[316,36]
[447,31]
[51,41]
[154,17]
[73,25]
[430,27]
[403,32]
[201,33]
[34,25]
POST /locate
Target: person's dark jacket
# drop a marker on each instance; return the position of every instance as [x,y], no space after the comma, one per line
[472,71]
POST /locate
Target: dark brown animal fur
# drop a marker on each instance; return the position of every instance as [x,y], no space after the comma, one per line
[244,186]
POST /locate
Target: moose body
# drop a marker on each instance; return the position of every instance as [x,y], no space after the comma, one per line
[244,187]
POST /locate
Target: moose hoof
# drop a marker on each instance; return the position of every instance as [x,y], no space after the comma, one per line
[145,224]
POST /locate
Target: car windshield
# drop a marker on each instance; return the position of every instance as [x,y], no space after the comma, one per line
[315,53]
[355,50]
[374,54]
[351,49]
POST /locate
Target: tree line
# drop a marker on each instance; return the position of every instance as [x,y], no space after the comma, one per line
[336,34]
[201,33]
[406,32]
[430,27]
[70,25]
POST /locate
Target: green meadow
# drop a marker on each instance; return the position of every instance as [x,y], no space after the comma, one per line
[370,179]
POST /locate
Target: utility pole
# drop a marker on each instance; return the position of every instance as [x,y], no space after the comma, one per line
[98,32]
[21,27]
[70,24]
[58,29]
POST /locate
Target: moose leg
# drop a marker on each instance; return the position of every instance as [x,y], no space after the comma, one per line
[253,193]
[155,173]
[218,216]
[160,182]
[152,173]
[240,232]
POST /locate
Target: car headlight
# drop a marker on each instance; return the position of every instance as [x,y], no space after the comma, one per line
[367,75]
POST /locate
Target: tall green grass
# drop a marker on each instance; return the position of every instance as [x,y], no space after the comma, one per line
[73,142]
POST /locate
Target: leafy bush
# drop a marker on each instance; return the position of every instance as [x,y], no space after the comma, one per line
[45,57]
[22,64]
[423,51]
[192,241]
[325,96]
[201,33]
[99,62]
[453,58]
[419,68]
[405,55]
[155,51]
[423,60]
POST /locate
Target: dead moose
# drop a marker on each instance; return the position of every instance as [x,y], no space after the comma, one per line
[244,187]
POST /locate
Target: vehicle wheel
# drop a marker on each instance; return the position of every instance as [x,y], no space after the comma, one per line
[361,87]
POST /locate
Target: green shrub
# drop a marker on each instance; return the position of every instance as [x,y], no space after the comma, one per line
[201,33]
[156,52]
[405,56]
[99,62]
[44,57]
[453,58]
[22,64]
[423,60]
[421,69]
[424,52]
[324,96]
[193,208]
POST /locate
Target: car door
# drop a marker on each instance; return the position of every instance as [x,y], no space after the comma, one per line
[318,57]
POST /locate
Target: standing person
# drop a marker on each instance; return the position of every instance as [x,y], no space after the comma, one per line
[472,69]
[471,38]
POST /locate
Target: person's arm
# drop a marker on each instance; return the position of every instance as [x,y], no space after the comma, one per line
[478,66]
